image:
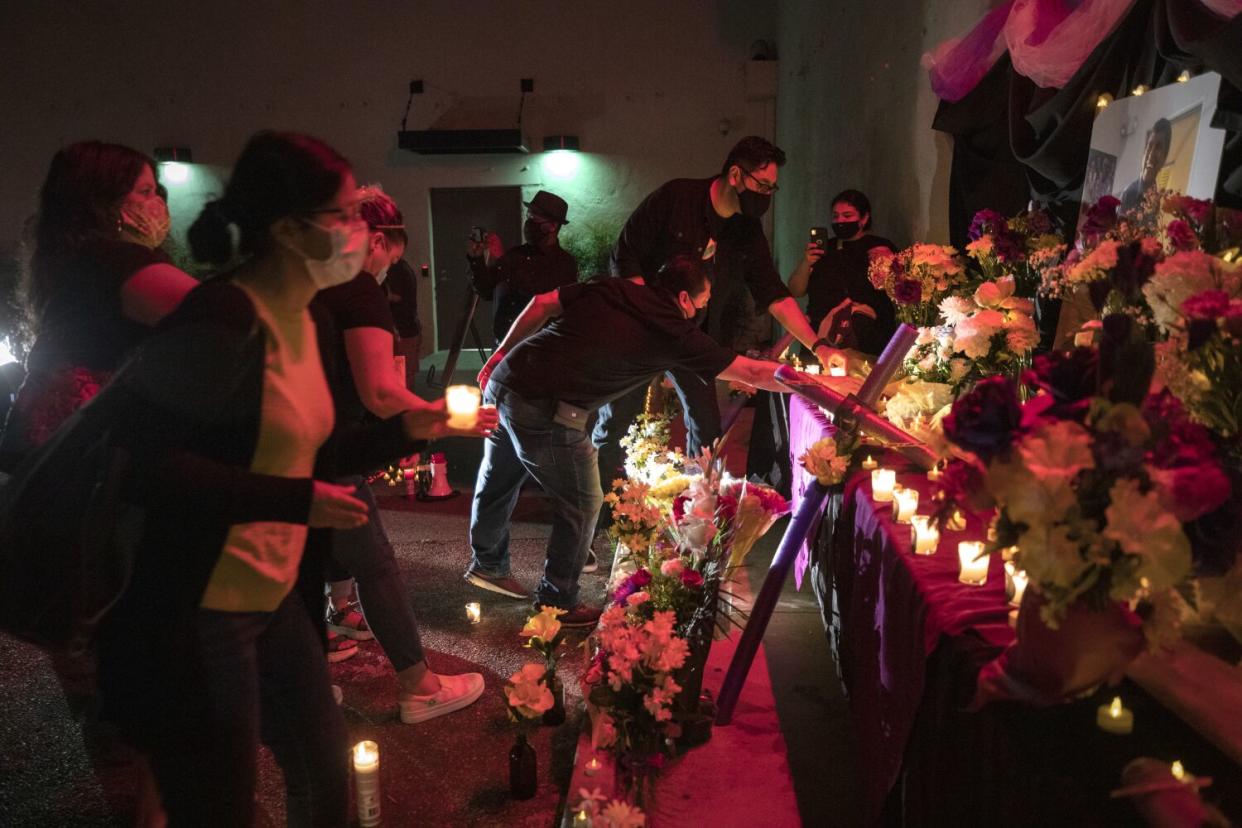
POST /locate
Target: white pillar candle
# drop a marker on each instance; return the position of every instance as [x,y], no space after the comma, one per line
[836,371]
[905,504]
[974,563]
[1115,718]
[926,535]
[366,783]
[463,405]
[812,369]
[882,481]
[1019,579]
[474,612]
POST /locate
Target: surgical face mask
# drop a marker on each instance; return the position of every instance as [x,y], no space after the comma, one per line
[753,204]
[845,229]
[145,222]
[349,250]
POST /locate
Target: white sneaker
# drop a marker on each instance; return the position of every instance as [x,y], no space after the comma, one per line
[455,693]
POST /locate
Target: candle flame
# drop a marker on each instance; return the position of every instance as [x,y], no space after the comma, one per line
[1114,709]
[366,753]
[1179,773]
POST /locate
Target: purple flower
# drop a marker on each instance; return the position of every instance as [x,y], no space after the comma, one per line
[908,292]
[641,578]
[986,420]
[987,222]
[630,585]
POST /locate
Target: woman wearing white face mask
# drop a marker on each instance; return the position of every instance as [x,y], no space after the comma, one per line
[233,436]
[98,283]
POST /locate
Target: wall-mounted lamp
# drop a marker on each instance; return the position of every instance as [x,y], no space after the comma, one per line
[561,159]
[174,163]
[1139,90]
[1184,77]
[1102,102]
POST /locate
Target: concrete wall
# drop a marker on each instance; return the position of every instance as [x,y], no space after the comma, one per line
[855,111]
[654,89]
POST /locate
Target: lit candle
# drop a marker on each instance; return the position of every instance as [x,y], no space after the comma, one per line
[934,473]
[905,504]
[1179,772]
[870,463]
[882,481]
[366,782]
[1184,77]
[474,612]
[926,535]
[974,563]
[1116,719]
[956,522]
[463,405]
[1018,579]
[582,819]
[812,369]
[592,766]
[836,371]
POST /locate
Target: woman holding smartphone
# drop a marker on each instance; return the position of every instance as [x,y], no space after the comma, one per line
[833,273]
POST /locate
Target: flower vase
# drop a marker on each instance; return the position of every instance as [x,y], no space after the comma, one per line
[556,715]
[634,780]
[1046,666]
[693,713]
[523,769]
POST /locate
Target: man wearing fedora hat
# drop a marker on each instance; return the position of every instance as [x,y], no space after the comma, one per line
[523,272]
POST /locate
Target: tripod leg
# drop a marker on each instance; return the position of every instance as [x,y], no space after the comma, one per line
[464,323]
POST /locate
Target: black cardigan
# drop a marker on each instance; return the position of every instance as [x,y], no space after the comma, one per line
[194,394]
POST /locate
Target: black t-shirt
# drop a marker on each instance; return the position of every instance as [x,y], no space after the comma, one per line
[359,303]
[518,276]
[678,218]
[83,325]
[841,273]
[612,336]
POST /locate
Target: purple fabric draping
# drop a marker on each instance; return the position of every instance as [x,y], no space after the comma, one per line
[1048,41]
[807,425]
[895,607]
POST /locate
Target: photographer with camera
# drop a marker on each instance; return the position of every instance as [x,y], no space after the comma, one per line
[518,275]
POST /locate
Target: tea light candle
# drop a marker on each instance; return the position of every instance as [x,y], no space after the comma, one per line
[366,782]
[592,766]
[905,504]
[1018,579]
[582,819]
[882,481]
[1179,772]
[974,563]
[463,405]
[956,522]
[934,473]
[870,464]
[836,371]
[926,535]
[1115,718]
[474,612]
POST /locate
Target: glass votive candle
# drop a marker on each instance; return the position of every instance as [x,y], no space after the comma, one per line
[1015,583]
[925,533]
[474,612]
[905,504]
[812,369]
[974,563]
[836,371]
[463,405]
[882,481]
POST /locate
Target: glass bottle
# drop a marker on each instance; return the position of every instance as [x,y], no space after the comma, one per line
[523,769]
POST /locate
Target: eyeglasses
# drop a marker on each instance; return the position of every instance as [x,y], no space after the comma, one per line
[765,187]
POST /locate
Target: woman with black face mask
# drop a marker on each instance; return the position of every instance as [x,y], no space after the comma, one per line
[834,276]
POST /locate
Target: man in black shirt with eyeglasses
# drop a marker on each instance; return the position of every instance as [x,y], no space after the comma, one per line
[716,220]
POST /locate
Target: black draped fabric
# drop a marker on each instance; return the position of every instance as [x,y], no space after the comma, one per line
[1037,144]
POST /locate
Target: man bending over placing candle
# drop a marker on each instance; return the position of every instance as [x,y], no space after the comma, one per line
[603,339]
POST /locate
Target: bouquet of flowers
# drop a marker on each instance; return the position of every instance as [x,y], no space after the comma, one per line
[989,332]
[745,512]
[828,460]
[1023,247]
[637,520]
[528,693]
[648,458]
[1095,492]
[916,279]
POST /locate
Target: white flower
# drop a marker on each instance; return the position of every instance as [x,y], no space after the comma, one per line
[1144,528]
[956,308]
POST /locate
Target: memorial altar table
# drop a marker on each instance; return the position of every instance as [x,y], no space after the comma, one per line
[909,639]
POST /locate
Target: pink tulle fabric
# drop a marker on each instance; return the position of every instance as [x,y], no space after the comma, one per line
[1047,40]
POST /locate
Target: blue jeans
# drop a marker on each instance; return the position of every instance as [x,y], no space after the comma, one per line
[528,442]
[368,556]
